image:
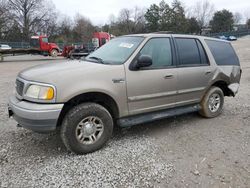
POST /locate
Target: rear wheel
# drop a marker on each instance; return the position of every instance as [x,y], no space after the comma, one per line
[54,53]
[212,103]
[86,128]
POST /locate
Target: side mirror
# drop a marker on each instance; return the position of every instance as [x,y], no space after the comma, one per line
[144,61]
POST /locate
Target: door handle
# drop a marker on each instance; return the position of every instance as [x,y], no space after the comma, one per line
[168,76]
[208,72]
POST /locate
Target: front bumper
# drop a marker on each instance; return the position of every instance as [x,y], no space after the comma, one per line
[34,116]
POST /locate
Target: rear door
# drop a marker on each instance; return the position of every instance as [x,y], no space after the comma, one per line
[153,88]
[194,70]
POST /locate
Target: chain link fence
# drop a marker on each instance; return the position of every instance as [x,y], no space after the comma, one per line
[231,33]
[89,45]
[17,44]
[25,45]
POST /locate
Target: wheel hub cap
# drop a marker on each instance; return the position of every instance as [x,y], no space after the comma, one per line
[89,130]
[214,102]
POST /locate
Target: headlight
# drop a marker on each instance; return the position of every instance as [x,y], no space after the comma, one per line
[40,92]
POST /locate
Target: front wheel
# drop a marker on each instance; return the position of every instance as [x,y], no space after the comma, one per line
[212,103]
[54,53]
[86,128]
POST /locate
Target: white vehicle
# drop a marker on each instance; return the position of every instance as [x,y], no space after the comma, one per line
[4,47]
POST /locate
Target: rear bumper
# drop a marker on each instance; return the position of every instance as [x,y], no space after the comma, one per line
[234,88]
[33,116]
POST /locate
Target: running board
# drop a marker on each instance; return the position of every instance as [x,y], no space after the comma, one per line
[153,116]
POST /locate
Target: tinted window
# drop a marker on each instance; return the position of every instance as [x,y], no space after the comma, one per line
[159,49]
[223,53]
[188,51]
[203,55]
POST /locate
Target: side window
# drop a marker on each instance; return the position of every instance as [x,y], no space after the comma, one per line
[45,40]
[223,52]
[160,51]
[203,55]
[188,51]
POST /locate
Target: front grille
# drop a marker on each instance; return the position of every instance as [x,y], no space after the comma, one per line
[19,87]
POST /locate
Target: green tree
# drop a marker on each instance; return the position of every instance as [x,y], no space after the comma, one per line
[193,26]
[165,18]
[222,21]
[162,17]
[179,23]
[152,17]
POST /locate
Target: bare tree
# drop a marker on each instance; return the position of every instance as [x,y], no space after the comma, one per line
[125,21]
[203,11]
[83,28]
[64,29]
[247,14]
[131,21]
[3,8]
[237,17]
[5,22]
[31,15]
[112,19]
[139,19]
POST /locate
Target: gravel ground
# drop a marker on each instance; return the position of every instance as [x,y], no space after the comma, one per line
[185,151]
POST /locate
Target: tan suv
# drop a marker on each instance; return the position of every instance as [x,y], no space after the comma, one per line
[131,80]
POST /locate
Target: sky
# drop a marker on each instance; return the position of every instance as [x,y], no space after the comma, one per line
[99,11]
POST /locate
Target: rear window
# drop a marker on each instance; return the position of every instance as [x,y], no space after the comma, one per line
[191,52]
[223,52]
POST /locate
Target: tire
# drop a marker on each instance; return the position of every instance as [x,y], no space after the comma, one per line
[77,130]
[212,103]
[54,53]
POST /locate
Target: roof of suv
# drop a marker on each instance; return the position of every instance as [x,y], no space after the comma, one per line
[168,34]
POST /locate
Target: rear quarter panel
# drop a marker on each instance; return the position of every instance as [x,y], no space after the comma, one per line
[227,73]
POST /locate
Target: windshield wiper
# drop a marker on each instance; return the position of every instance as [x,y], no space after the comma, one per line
[100,60]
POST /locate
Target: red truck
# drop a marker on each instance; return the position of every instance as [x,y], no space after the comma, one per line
[100,38]
[42,44]
[77,51]
[38,45]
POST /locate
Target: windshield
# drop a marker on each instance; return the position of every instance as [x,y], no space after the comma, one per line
[117,51]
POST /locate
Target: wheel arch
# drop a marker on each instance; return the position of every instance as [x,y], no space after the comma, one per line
[223,86]
[54,48]
[97,97]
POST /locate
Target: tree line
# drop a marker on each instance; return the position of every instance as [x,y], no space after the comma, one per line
[20,19]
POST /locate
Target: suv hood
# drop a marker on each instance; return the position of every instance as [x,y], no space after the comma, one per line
[50,73]
[77,77]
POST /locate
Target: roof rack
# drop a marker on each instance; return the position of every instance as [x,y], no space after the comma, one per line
[163,32]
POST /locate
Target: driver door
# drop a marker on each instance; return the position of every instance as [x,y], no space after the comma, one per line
[45,44]
[153,88]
